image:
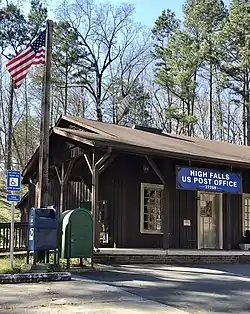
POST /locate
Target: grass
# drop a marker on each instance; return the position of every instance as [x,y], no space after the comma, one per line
[20,261]
[5,266]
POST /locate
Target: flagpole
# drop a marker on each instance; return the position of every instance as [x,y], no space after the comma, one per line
[43,195]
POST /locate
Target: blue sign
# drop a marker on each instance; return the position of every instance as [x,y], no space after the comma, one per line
[13,180]
[13,198]
[208,180]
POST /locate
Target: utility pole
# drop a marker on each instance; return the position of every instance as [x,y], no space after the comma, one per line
[43,195]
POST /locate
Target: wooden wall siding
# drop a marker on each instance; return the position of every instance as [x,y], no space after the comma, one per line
[235,221]
[246,181]
[54,192]
[75,193]
[114,192]
[120,186]
[183,206]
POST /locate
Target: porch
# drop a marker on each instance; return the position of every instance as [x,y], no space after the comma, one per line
[171,256]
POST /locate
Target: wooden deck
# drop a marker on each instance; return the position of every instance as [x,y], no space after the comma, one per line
[20,236]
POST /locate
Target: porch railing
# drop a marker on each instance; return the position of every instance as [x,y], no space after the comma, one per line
[20,236]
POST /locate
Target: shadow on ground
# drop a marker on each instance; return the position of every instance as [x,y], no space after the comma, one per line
[207,288]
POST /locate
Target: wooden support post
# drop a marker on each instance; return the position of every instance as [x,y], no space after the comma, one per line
[96,165]
[63,178]
[94,196]
[166,205]
[156,170]
[62,189]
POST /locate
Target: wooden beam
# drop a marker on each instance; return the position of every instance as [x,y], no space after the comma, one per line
[58,175]
[107,163]
[102,160]
[70,166]
[156,170]
[73,137]
[88,163]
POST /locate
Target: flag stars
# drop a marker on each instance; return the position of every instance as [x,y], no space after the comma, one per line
[39,42]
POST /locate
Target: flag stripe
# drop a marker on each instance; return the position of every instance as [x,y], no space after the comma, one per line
[23,69]
[22,64]
[19,82]
[19,56]
[34,54]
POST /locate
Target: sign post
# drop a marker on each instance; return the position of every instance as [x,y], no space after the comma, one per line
[13,185]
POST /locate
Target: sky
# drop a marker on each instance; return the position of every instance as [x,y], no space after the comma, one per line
[146,11]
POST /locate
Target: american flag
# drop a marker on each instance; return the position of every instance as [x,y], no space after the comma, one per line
[20,64]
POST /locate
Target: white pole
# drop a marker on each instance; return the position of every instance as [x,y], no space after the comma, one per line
[12,236]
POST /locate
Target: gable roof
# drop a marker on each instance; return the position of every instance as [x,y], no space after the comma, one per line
[126,139]
[103,134]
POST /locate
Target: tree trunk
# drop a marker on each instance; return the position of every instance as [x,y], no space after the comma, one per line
[98,97]
[169,105]
[211,100]
[228,118]
[10,127]
[193,101]
[244,122]
[221,128]
[82,102]
[66,93]
[248,108]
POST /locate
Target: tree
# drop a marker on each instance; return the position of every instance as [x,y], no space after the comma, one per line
[21,141]
[176,75]
[99,29]
[67,57]
[16,33]
[164,28]
[203,20]
[236,57]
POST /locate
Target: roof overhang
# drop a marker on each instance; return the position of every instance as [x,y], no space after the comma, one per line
[87,135]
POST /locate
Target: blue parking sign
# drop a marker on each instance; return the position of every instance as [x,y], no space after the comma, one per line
[13,180]
[13,198]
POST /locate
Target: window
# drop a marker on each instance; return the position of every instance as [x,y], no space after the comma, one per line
[151,208]
[246,213]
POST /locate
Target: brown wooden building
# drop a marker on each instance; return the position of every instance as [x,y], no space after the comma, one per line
[129,174]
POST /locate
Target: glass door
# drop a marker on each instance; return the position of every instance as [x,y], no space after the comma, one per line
[209,220]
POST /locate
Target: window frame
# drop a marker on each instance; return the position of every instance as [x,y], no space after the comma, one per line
[244,196]
[143,186]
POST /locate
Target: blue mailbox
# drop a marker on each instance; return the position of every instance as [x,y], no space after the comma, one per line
[42,229]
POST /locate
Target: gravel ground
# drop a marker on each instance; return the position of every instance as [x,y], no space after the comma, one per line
[75,296]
